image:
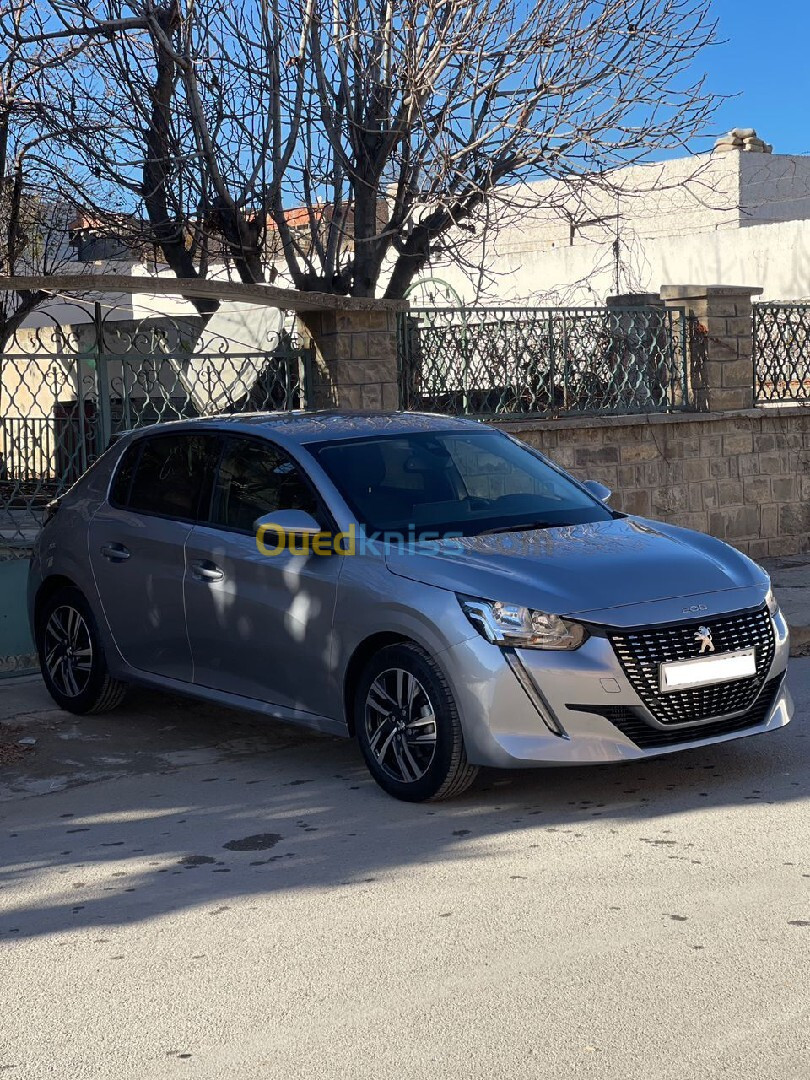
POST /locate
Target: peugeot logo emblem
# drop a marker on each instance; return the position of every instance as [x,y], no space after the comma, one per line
[704,636]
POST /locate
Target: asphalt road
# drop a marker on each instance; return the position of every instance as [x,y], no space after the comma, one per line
[185,894]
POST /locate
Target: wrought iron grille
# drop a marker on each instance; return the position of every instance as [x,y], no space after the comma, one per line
[782,352]
[65,392]
[544,361]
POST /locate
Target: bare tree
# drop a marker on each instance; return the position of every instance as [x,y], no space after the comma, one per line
[36,206]
[345,142]
[29,220]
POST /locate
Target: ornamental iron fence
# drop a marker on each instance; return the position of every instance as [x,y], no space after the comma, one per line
[544,361]
[66,392]
[781,352]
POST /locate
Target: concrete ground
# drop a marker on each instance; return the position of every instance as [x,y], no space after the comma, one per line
[790,576]
[636,922]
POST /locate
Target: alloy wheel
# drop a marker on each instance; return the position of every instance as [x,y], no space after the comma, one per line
[400,725]
[68,650]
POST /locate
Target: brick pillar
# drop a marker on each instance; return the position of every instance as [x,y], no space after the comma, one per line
[356,356]
[721,364]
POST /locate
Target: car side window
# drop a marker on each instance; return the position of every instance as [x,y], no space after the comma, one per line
[171,475]
[124,471]
[254,479]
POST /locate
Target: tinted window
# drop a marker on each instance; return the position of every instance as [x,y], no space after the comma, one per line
[449,482]
[174,474]
[119,492]
[256,479]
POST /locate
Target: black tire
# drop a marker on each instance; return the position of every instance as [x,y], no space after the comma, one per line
[410,755]
[71,656]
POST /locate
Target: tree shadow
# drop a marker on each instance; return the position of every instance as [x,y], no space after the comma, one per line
[275,811]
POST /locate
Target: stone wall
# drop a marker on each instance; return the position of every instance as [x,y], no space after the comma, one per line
[356,356]
[741,476]
[720,355]
[739,473]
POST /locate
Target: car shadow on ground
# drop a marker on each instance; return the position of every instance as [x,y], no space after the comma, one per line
[180,806]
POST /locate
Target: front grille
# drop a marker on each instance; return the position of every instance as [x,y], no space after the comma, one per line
[641,651]
[632,723]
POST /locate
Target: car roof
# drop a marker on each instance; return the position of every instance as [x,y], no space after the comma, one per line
[327,425]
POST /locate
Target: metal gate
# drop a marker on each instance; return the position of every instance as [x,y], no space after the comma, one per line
[67,391]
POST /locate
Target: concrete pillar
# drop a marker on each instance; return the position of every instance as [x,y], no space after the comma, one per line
[356,356]
[721,364]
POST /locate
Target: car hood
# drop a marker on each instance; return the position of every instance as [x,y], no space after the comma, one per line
[582,568]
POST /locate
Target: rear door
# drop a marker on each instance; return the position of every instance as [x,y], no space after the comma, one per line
[260,626]
[137,541]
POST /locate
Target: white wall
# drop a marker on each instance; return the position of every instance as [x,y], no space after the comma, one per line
[774,256]
[728,219]
[774,187]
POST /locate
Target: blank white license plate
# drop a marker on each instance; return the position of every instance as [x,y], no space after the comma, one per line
[686,674]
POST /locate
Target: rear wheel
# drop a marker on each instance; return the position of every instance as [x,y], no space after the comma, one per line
[71,656]
[408,727]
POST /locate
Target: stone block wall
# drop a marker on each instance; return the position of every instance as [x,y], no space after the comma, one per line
[738,473]
[743,476]
[356,356]
[721,346]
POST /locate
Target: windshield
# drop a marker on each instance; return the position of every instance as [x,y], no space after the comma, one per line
[452,483]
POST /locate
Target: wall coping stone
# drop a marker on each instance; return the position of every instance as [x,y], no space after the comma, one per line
[641,299]
[645,419]
[204,288]
[684,292]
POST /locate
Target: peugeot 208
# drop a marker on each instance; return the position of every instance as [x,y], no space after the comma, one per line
[429,585]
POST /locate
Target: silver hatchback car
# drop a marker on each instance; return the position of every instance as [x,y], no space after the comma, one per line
[432,586]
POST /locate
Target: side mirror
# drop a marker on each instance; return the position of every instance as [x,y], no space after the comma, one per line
[297,522]
[599,491]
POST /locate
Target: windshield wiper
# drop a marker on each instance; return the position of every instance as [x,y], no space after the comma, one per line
[525,527]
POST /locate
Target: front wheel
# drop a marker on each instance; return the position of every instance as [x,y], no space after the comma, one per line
[408,727]
[71,657]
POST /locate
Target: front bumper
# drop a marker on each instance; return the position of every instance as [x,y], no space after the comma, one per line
[516,709]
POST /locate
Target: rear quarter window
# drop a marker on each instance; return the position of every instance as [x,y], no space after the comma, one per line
[168,475]
[125,470]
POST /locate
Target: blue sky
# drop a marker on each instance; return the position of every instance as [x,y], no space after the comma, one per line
[766,60]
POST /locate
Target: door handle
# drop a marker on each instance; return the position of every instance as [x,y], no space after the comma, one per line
[115,552]
[206,571]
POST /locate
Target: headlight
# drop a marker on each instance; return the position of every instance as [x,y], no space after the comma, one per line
[513,626]
[771,602]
